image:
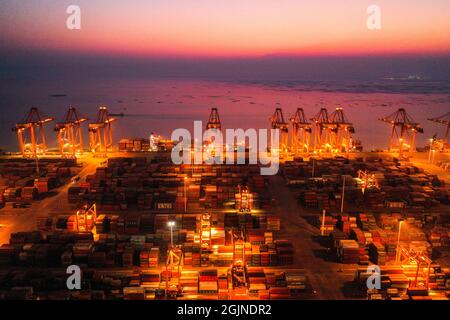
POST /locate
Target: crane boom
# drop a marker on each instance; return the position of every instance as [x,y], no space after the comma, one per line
[445,120]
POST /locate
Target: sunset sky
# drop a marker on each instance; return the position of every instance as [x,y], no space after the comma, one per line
[228,28]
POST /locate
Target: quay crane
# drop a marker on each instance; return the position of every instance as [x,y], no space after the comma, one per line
[277,122]
[322,131]
[214,120]
[100,132]
[213,124]
[301,132]
[445,120]
[341,131]
[70,139]
[402,127]
[32,128]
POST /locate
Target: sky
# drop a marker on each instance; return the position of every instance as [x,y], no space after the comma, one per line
[200,30]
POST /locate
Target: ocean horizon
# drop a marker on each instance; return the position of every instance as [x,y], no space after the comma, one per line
[162,105]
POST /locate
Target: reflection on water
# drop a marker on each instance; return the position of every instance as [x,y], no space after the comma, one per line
[163,105]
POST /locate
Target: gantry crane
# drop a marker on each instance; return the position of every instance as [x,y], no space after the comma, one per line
[34,121]
[174,264]
[445,120]
[238,268]
[408,256]
[322,131]
[215,125]
[100,132]
[85,218]
[175,259]
[238,246]
[277,122]
[239,277]
[70,139]
[214,120]
[301,132]
[245,199]
[368,180]
[205,239]
[341,131]
[402,126]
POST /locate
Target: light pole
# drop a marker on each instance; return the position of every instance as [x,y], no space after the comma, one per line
[192,162]
[171,224]
[400,152]
[312,172]
[431,147]
[397,251]
[185,195]
[343,193]
[322,228]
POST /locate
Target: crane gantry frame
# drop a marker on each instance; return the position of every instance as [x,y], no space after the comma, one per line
[215,125]
[402,125]
[34,121]
[100,132]
[70,138]
[341,131]
[301,132]
[245,200]
[420,259]
[85,215]
[368,180]
[277,122]
[322,131]
[205,238]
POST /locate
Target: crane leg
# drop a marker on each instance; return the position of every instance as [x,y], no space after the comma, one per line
[33,142]
[391,140]
[21,144]
[413,143]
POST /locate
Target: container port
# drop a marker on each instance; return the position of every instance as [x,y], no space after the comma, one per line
[143,228]
[224,159]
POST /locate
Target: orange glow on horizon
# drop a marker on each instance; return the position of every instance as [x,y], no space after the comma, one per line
[232,28]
